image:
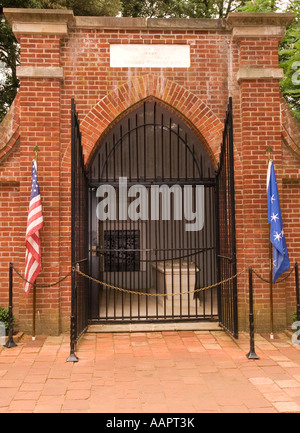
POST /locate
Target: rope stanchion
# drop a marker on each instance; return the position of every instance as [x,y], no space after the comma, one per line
[277,282]
[42,285]
[10,342]
[76,270]
[252,354]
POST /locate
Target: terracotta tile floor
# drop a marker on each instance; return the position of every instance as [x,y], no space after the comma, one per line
[151,372]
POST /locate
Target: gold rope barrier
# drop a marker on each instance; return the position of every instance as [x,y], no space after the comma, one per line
[158,294]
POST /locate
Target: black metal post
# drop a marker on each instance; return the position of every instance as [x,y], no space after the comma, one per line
[298,300]
[297,291]
[72,357]
[231,191]
[251,354]
[10,342]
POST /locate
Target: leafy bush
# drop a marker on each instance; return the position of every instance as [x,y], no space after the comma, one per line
[4,317]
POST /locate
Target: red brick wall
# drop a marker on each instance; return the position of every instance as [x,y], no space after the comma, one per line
[9,241]
[40,125]
[259,52]
[260,107]
[85,57]
[261,127]
[40,50]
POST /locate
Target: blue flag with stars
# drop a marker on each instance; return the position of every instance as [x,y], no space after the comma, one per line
[281,261]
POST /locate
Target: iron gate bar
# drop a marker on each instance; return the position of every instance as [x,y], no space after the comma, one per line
[120,141]
[226,255]
[79,250]
[158,181]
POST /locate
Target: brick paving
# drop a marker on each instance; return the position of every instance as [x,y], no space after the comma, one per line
[151,372]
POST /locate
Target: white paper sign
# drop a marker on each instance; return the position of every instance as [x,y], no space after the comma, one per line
[149,56]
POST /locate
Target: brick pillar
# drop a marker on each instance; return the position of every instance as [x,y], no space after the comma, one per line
[257,37]
[40,74]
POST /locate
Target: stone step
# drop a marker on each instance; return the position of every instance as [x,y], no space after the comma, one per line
[150,327]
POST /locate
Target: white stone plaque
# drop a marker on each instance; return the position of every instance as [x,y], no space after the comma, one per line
[149,56]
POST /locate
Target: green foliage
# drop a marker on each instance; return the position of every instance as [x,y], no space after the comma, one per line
[4,317]
[9,54]
[289,60]
[79,7]
[260,6]
[289,55]
[83,8]
[20,3]
[179,8]
[153,9]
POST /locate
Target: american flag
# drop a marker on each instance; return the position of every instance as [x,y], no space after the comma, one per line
[33,260]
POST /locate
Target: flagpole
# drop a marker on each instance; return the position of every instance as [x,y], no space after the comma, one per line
[36,151]
[271,286]
[269,152]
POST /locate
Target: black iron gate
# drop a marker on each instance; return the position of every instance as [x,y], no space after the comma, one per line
[148,148]
[79,232]
[226,255]
[151,149]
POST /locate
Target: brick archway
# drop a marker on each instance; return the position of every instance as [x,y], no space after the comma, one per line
[194,110]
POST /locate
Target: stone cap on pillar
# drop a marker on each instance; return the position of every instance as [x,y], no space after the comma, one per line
[41,21]
[261,24]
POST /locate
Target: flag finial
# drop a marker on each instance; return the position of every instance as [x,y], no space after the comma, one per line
[36,150]
[269,152]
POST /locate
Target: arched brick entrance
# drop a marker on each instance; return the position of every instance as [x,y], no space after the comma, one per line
[155,151]
[188,106]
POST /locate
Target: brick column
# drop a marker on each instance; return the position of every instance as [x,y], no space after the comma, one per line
[257,37]
[40,74]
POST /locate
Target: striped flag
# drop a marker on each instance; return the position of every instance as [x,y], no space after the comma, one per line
[33,260]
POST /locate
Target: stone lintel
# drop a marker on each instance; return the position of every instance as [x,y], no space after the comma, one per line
[110,22]
[259,73]
[258,32]
[188,24]
[40,28]
[257,25]
[150,23]
[242,19]
[41,21]
[37,15]
[40,72]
